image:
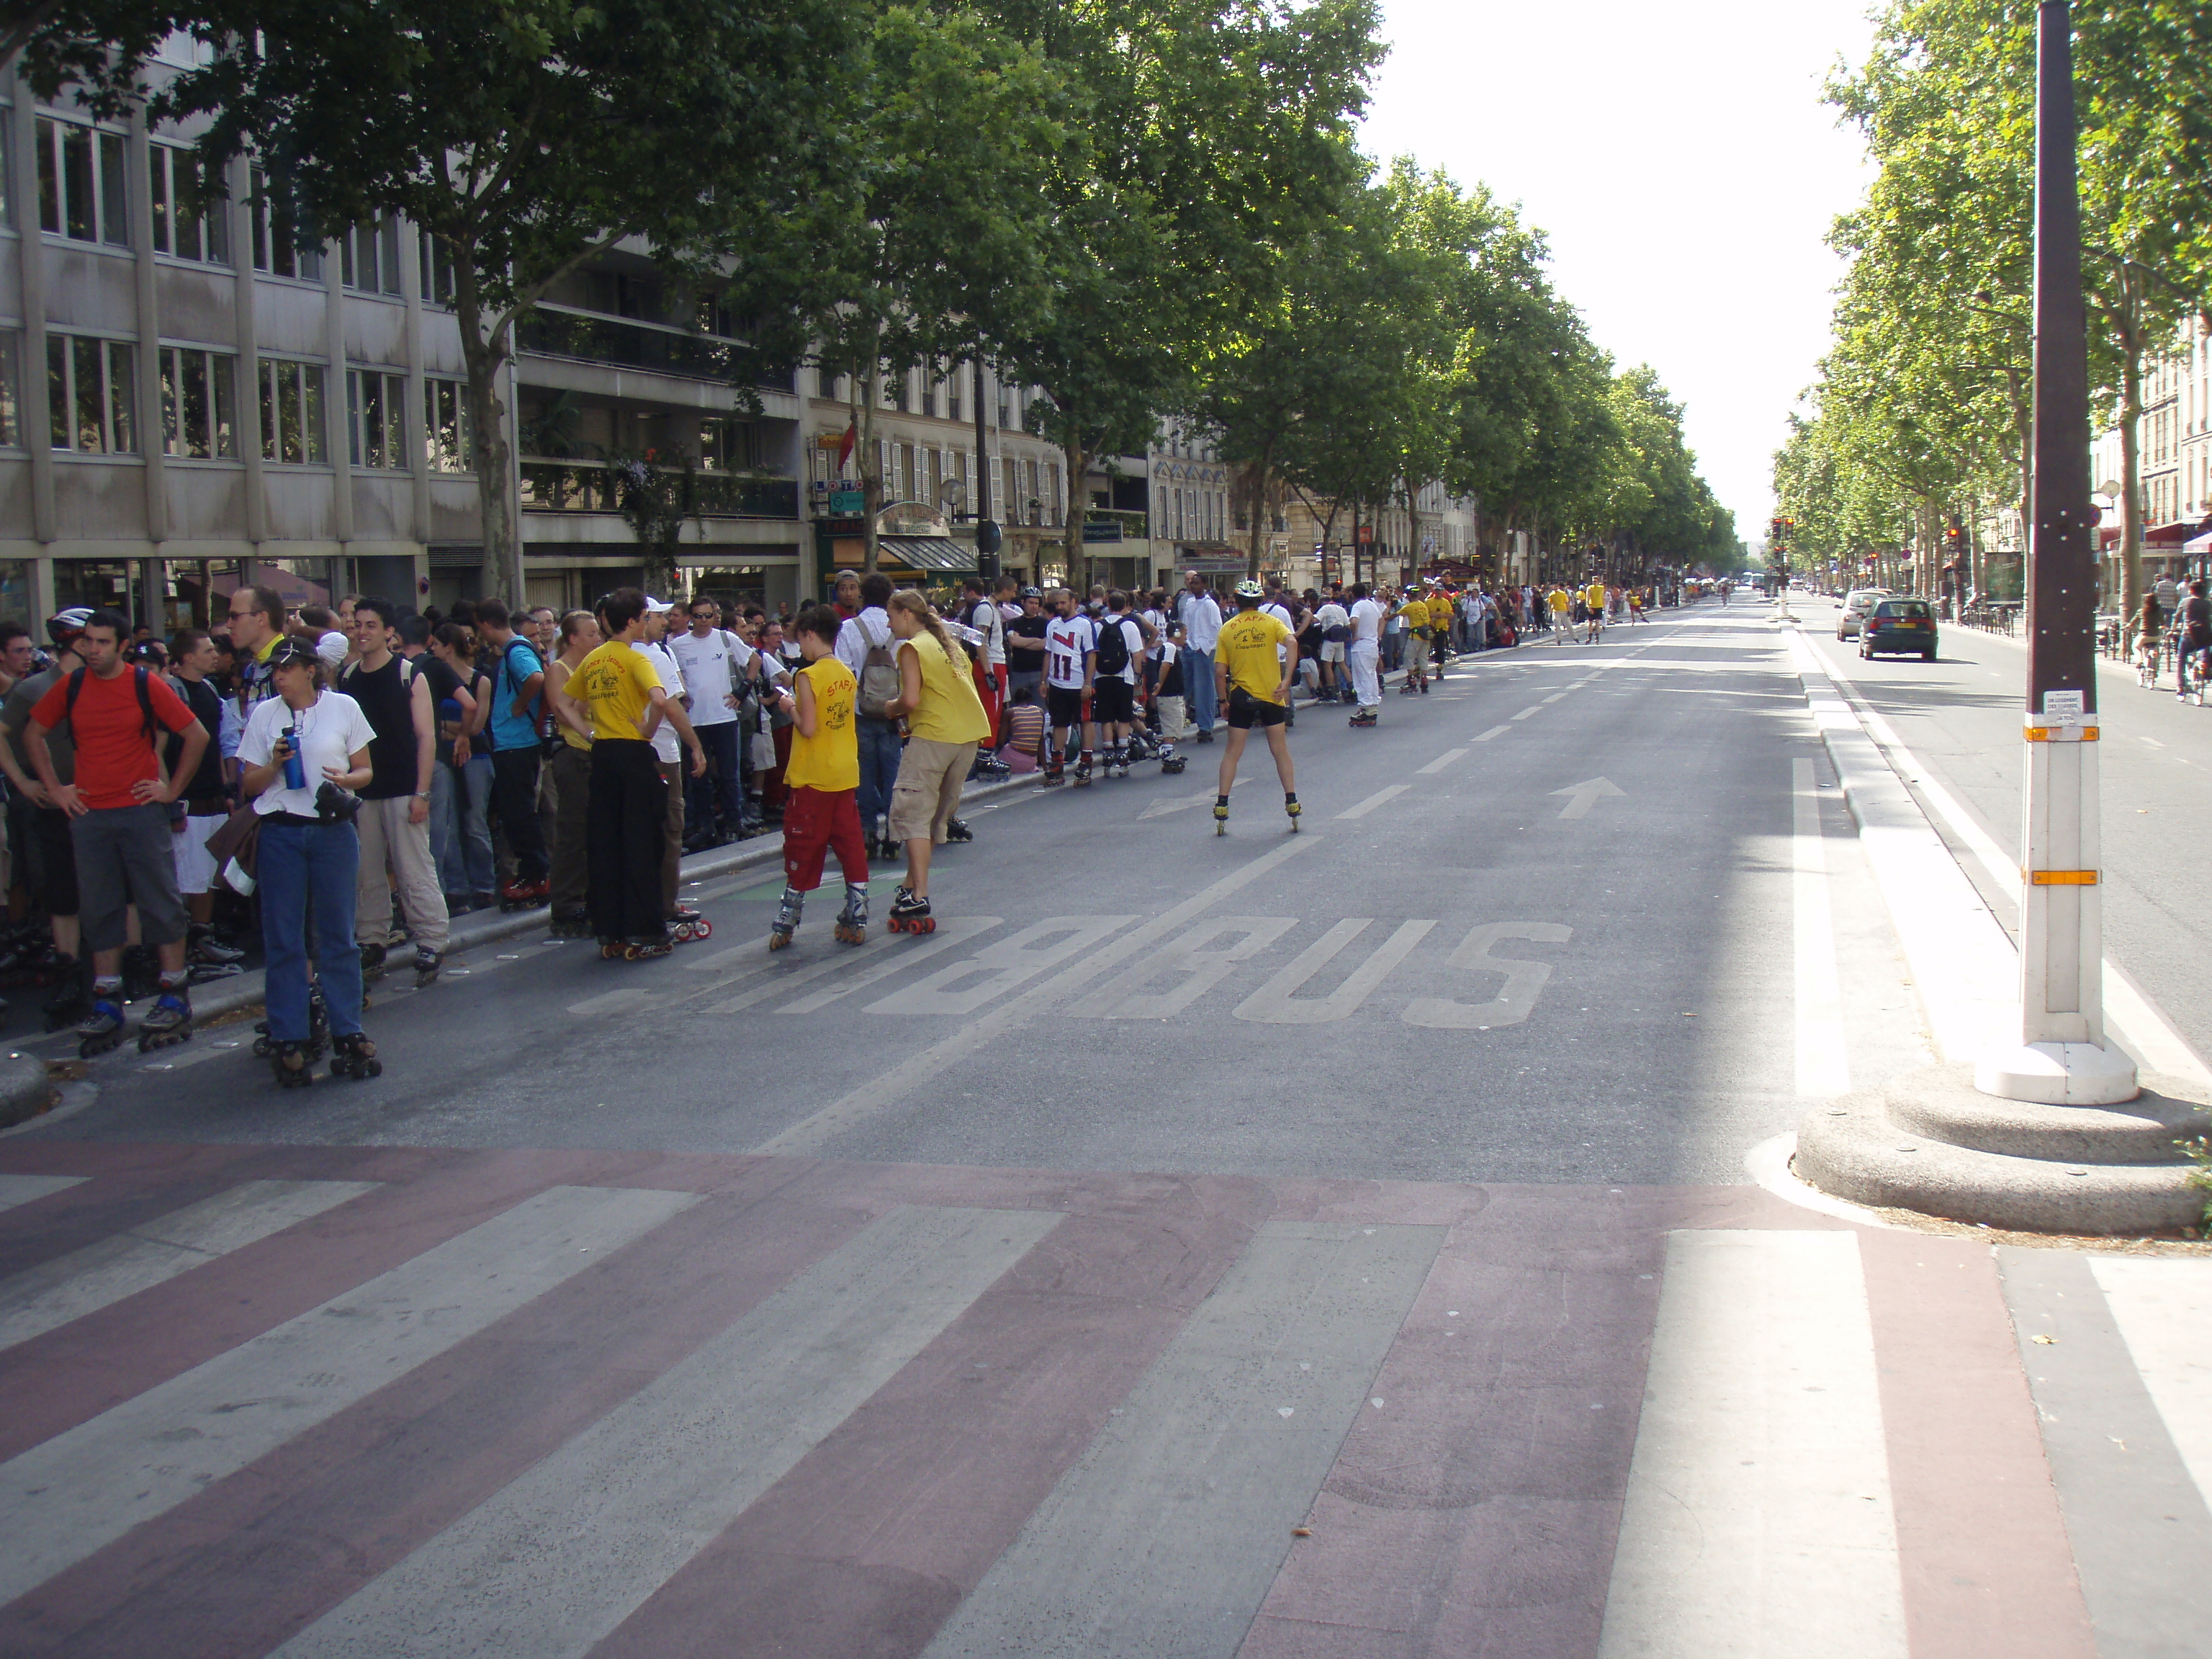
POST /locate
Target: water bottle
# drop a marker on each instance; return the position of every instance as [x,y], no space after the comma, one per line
[295,769]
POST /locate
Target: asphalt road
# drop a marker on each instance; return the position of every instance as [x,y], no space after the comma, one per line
[1114,987]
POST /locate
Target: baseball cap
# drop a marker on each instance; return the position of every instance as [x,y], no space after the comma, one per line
[292,651]
[68,624]
[657,606]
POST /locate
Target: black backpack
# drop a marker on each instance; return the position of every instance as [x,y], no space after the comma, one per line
[1113,646]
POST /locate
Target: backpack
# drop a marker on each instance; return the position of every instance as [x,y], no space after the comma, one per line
[138,675]
[1113,646]
[879,681]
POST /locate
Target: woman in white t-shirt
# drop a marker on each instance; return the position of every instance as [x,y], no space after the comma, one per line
[308,857]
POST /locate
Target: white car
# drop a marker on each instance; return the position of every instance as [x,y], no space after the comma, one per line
[1856,603]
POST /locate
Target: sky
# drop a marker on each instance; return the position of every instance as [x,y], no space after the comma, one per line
[1683,166]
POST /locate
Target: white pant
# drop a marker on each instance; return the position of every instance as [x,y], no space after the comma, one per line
[1364,681]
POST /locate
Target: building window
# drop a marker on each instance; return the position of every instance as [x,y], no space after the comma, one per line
[369,258]
[81,191]
[446,441]
[437,271]
[91,394]
[953,404]
[180,229]
[11,410]
[376,419]
[292,411]
[281,246]
[199,403]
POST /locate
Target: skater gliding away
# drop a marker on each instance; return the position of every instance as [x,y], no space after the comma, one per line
[1256,665]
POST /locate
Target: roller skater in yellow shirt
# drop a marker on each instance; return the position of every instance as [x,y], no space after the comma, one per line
[1255,663]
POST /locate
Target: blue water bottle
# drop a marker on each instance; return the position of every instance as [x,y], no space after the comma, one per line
[295,769]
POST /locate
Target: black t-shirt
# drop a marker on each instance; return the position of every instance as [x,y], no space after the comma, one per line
[1027,628]
[206,704]
[388,700]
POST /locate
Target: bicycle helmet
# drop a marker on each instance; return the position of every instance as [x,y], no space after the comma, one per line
[1032,593]
[1251,589]
[65,625]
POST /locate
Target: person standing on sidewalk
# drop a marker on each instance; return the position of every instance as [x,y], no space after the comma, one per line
[517,679]
[618,691]
[572,779]
[394,821]
[1200,616]
[713,662]
[54,851]
[945,722]
[118,808]
[1071,658]
[824,774]
[201,810]
[308,857]
[669,734]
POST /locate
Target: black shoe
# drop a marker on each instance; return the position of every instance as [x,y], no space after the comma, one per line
[1206,736]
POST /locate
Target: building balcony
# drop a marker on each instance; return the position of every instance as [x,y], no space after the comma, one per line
[587,336]
[591,487]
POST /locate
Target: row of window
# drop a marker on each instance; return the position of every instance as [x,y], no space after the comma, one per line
[82,196]
[92,406]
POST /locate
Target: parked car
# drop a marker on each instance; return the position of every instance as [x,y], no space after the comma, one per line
[1899,627]
[1856,603]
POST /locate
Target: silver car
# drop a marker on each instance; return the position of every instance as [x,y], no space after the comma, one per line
[1856,603]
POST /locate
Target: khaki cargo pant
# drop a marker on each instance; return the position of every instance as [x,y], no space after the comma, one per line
[389,842]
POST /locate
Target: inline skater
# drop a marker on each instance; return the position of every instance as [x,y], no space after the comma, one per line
[824,774]
[1257,664]
[1070,665]
[1363,654]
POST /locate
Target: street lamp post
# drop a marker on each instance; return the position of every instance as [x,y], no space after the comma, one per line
[2062,1057]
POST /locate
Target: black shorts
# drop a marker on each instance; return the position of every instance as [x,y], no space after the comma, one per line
[1247,711]
[1113,699]
[57,892]
[1063,707]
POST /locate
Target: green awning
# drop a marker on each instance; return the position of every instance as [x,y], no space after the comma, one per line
[938,554]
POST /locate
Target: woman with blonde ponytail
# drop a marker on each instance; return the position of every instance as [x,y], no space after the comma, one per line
[945,722]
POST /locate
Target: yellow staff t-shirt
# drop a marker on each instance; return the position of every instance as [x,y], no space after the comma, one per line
[1249,648]
[1440,609]
[830,760]
[616,684]
[1416,613]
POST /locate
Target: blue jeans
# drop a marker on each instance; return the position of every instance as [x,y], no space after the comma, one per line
[309,870]
[460,827]
[1198,687]
[879,764]
[717,800]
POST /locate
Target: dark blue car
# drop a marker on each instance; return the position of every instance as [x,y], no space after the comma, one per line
[1899,628]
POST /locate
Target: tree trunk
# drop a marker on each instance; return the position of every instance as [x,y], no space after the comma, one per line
[1078,465]
[485,357]
[870,388]
[1260,469]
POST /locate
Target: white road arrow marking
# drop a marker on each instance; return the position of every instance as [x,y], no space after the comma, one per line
[1582,794]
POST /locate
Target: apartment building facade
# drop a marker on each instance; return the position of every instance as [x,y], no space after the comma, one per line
[2173,459]
[191,401]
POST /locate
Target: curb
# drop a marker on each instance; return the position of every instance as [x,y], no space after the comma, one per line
[1935,1146]
[232,996]
[25,1091]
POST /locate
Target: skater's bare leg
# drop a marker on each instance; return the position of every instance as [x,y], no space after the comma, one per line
[1278,744]
[917,866]
[1231,752]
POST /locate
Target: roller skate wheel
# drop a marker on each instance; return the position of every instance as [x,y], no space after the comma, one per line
[848,934]
[702,929]
[779,937]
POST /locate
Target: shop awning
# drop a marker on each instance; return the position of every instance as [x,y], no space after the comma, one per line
[940,554]
[2197,544]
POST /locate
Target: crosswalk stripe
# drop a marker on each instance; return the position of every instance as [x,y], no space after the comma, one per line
[1165,1535]
[559,1558]
[70,1286]
[1759,1505]
[2163,1307]
[26,1188]
[72,1494]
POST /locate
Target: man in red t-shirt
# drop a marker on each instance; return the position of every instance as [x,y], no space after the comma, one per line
[119,822]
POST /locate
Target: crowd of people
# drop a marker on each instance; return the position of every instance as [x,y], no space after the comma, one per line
[339,779]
